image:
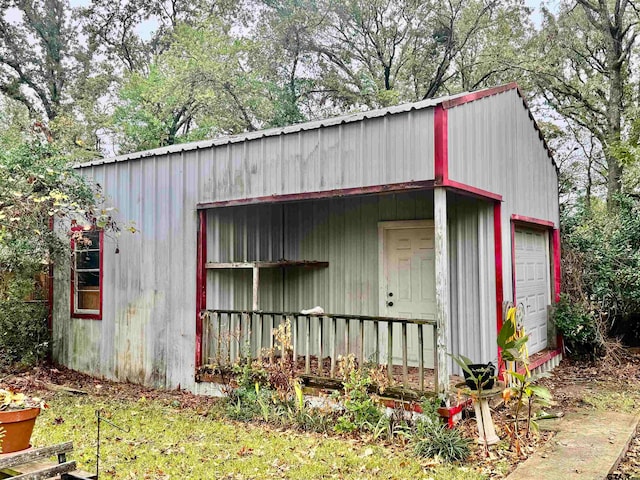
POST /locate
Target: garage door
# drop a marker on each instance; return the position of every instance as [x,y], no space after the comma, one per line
[532,283]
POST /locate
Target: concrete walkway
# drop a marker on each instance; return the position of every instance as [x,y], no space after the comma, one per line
[588,445]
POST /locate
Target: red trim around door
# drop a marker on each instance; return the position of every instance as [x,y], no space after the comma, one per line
[441,145]
[557,270]
[201,284]
[532,221]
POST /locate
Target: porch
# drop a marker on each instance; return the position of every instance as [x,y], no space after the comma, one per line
[410,273]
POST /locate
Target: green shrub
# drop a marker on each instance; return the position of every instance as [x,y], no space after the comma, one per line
[436,440]
[361,412]
[578,326]
[23,332]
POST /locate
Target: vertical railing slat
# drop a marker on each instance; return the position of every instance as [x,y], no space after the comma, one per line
[218,355]
[361,359]
[230,324]
[294,338]
[405,355]
[320,340]
[376,336]
[334,341]
[346,338]
[271,324]
[435,359]
[390,350]
[307,357]
[421,357]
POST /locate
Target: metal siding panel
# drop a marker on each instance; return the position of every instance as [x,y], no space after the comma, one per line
[377,151]
[472,279]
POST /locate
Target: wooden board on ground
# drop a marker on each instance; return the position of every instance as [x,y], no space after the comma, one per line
[33,464]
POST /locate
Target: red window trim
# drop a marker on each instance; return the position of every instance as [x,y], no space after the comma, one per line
[89,316]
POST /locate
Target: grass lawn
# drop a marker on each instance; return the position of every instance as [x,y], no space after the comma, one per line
[167,441]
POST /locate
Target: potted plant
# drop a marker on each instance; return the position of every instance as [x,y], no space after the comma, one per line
[18,414]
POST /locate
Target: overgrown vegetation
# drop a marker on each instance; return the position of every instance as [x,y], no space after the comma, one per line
[36,187]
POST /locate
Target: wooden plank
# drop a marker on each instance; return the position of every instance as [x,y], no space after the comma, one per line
[256,284]
[390,350]
[405,356]
[11,459]
[278,264]
[307,357]
[334,340]
[421,357]
[47,472]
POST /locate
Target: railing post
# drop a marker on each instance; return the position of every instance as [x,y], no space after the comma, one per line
[442,287]
[257,319]
[436,369]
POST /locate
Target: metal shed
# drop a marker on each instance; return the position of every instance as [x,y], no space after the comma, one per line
[411,225]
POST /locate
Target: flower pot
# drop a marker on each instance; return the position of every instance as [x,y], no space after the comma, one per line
[484,373]
[17,426]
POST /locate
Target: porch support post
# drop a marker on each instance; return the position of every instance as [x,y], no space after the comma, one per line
[442,288]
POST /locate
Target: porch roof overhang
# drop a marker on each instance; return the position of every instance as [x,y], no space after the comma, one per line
[450,185]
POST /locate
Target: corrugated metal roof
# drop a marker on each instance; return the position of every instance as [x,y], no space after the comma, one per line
[353,117]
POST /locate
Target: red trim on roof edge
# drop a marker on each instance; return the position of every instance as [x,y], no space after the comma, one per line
[497,246]
[201,284]
[532,221]
[472,191]
[470,97]
[343,192]
[441,144]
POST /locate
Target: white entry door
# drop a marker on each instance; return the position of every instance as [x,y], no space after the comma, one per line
[408,283]
[532,283]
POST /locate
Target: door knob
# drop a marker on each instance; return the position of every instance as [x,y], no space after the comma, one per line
[390,294]
[389,304]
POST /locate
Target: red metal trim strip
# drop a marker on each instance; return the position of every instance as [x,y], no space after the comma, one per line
[532,221]
[88,316]
[344,192]
[542,360]
[497,245]
[513,262]
[470,97]
[201,285]
[441,145]
[472,191]
[557,269]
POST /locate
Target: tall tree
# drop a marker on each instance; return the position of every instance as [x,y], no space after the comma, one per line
[582,70]
[36,48]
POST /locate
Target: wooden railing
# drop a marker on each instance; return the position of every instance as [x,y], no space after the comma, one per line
[318,340]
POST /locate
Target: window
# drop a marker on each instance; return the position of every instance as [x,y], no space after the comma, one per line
[86,274]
